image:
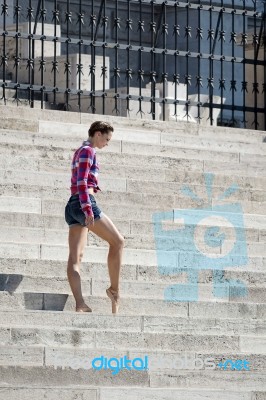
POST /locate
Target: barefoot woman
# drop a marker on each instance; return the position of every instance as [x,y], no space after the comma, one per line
[83,214]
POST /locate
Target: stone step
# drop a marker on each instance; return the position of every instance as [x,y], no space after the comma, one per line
[27,223]
[160,362]
[148,306]
[191,153]
[158,134]
[156,150]
[181,163]
[17,234]
[254,230]
[245,169]
[100,305]
[47,156]
[62,133]
[27,164]
[131,306]
[60,180]
[215,380]
[221,291]
[19,124]
[160,150]
[252,200]
[52,141]
[213,143]
[210,380]
[186,216]
[60,183]
[32,220]
[150,136]
[253,273]
[179,127]
[8,114]
[130,255]
[130,393]
[56,207]
[20,335]
[12,392]
[79,359]
[239,381]
[155,134]
[156,361]
[229,134]
[138,324]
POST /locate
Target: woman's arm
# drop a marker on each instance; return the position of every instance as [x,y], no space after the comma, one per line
[83,170]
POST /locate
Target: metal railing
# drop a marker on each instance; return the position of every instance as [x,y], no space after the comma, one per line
[196,61]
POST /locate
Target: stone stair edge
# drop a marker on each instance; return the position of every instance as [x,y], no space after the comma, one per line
[84,118]
[200,162]
[38,244]
[166,169]
[99,245]
[124,281]
[183,309]
[84,264]
[108,350]
[241,380]
[155,146]
[108,178]
[95,316]
[239,163]
[126,331]
[135,207]
[172,209]
[127,236]
[105,350]
[82,136]
[130,392]
[128,250]
[248,175]
[66,293]
[166,189]
[87,278]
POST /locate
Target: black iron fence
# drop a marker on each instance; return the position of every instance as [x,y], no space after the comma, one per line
[198,61]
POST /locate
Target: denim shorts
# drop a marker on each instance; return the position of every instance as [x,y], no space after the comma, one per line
[74,214]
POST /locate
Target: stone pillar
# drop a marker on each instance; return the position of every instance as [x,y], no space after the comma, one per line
[251,95]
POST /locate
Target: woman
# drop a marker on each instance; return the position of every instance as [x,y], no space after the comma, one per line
[83,214]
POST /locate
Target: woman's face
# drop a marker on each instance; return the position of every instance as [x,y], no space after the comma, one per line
[103,139]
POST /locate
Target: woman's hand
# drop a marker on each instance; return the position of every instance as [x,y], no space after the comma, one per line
[89,220]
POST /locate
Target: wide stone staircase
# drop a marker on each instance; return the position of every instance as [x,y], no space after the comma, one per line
[191,204]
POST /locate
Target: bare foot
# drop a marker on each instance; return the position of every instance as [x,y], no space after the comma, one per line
[115,297]
[83,308]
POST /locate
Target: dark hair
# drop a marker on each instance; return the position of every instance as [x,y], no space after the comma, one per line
[101,126]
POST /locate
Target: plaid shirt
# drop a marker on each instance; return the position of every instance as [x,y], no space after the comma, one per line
[85,169]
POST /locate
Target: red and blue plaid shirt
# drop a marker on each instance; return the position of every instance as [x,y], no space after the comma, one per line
[85,169]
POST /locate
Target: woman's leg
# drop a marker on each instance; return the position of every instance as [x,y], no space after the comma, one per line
[106,230]
[77,239]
